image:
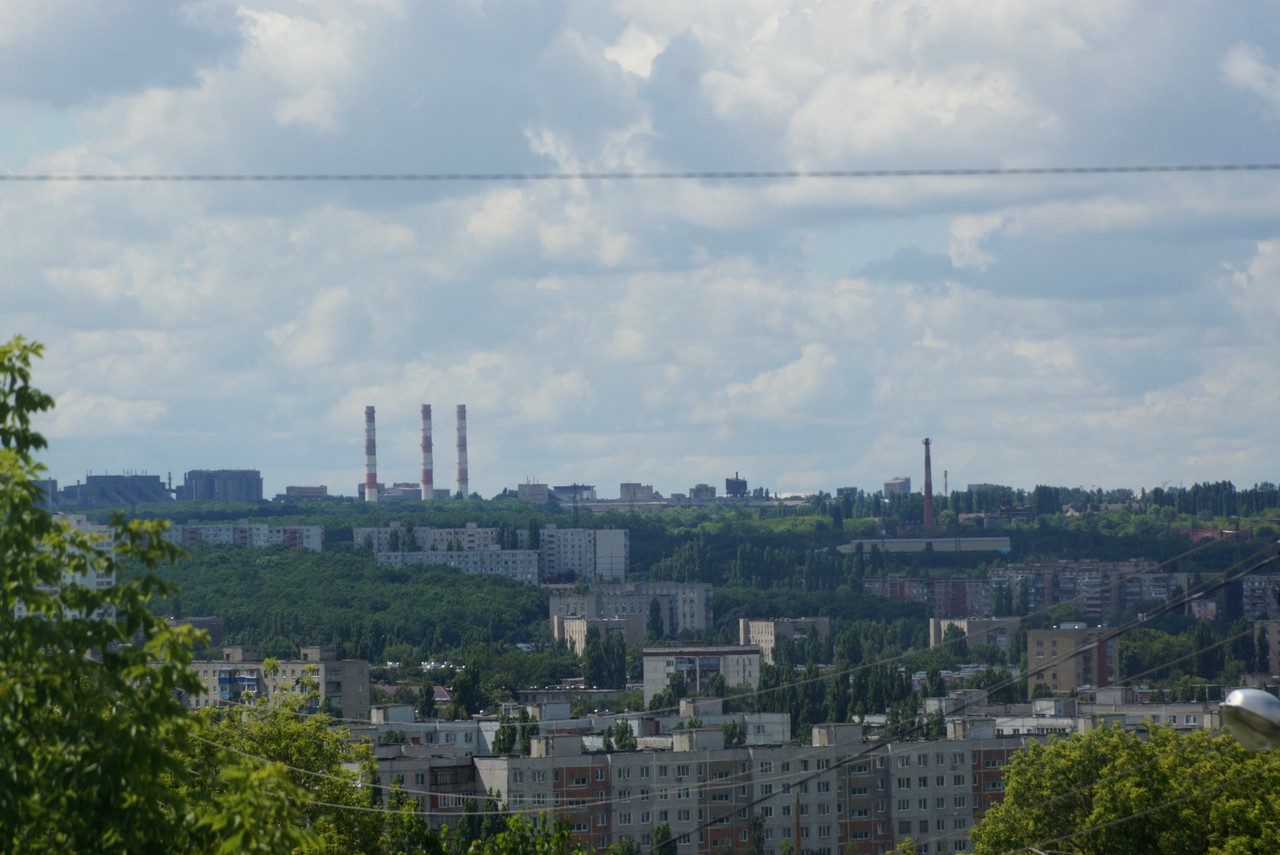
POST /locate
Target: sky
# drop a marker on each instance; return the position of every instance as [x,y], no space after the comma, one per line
[1113,330]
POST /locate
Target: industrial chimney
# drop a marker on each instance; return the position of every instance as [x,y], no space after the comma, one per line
[370,458]
[928,487]
[428,488]
[462,451]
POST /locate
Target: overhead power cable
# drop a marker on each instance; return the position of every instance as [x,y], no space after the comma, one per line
[659,175]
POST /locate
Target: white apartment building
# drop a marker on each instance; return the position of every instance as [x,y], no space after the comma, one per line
[685,607]
[739,666]
[518,564]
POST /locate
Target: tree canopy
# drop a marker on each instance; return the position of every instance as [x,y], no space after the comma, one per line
[1112,790]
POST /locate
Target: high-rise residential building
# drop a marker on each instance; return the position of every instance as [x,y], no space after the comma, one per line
[1072,656]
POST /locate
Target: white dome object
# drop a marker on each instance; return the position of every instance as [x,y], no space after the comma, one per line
[1252,716]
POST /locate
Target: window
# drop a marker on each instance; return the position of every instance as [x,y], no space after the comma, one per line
[601,819]
[903,761]
[961,823]
[824,764]
[419,778]
[960,801]
[766,768]
[958,780]
[579,781]
[517,777]
[904,805]
[682,815]
[904,826]
[767,811]
[940,781]
[539,776]
[824,809]
[662,771]
[823,787]
[766,789]
[923,804]
[904,783]
[682,770]
[804,810]
[922,760]
[857,791]
[923,782]
[644,817]
[786,766]
[600,773]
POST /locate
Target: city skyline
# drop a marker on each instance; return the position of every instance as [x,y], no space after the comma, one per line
[1090,329]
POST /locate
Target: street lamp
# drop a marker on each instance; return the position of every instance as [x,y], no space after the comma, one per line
[1252,716]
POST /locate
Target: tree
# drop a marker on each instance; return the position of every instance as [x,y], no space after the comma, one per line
[663,842]
[1115,791]
[653,627]
[92,726]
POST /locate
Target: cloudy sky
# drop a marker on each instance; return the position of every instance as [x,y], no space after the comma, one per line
[1109,330]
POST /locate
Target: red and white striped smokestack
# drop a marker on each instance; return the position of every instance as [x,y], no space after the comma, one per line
[428,488]
[370,457]
[928,486]
[463,487]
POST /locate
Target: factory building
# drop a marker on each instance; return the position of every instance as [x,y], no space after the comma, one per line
[221,485]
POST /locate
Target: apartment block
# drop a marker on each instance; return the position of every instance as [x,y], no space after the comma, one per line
[765,633]
[685,607]
[739,666]
[1072,656]
[319,675]
[308,537]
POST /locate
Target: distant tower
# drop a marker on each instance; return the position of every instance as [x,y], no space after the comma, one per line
[928,486]
[428,488]
[370,458]
[462,451]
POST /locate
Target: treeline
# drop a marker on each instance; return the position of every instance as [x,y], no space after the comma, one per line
[279,599]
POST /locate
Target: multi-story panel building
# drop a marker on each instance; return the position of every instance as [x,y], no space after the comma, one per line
[518,564]
[320,675]
[685,607]
[1072,656]
[765,633]
[591,554]
[308,537]
[1099,589]
[574,629]
[836,794]
[739,666]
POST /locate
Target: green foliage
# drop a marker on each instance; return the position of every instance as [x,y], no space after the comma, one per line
[349,601]
[92,728]
[1115,791]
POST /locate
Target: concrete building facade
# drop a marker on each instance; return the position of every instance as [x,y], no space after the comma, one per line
[319,675]
[1072,656]
[685,606]
[739,666]
[765,633]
